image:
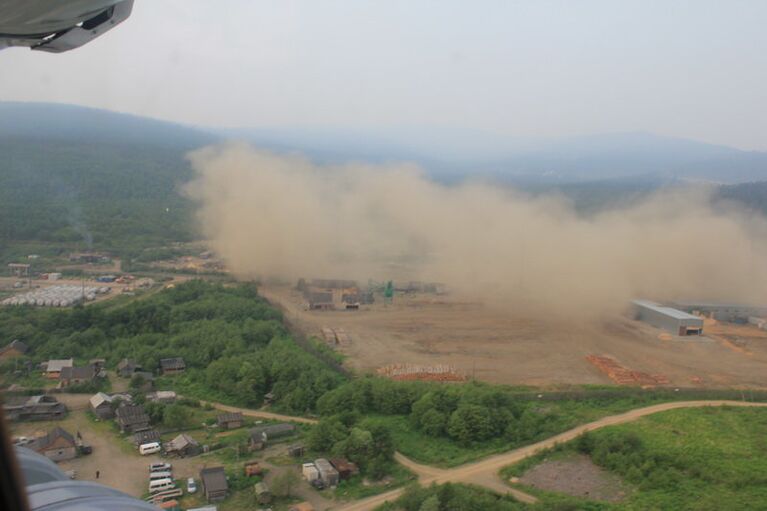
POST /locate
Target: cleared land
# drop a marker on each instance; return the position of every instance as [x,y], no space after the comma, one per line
[493,346]
[578,476]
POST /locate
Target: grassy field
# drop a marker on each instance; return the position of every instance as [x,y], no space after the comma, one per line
[554,417]
[695,459]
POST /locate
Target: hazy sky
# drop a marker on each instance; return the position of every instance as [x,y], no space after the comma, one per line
[695,69]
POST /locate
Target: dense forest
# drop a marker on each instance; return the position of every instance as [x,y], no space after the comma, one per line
[234,344]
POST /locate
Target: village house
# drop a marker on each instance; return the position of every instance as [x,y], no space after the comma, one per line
[14,349]
[77,375]
[260,436]
[33,408]
[101,406]
[53,368]
[328,474]
[214,484]
[132,418]
[183,445]
[169,366]
[127,367]
[57,445]
[230,420]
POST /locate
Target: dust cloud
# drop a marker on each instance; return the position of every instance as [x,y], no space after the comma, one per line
[282,216]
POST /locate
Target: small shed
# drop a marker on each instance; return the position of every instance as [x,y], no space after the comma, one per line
[57,445]
[214,484]
[183,445]
[253,468]
[328,474]
[345,468]
[263,495]
[230,420]
[309,472]
[169,366]
[101,405]
[296,450]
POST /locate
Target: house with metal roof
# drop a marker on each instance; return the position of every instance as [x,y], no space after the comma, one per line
[127,367]
[77,375]
[672,320]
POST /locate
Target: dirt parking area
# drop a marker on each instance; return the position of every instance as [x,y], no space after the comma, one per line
[493,345]
[577,476]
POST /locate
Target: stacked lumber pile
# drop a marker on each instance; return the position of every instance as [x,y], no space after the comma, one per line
[410,372]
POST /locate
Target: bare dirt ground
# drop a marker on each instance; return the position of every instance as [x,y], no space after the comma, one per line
[492,345]
[578,476]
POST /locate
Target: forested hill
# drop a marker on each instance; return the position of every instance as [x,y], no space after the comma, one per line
[75,174]
[87,176]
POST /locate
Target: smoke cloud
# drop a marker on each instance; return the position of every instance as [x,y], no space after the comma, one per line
[271,215]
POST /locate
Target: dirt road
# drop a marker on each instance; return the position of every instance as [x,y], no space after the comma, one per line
[485,472]
[249,412]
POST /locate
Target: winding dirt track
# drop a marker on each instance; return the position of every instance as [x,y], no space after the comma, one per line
[485,472]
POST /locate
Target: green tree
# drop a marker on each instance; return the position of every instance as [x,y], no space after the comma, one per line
[176,416]
[284,484]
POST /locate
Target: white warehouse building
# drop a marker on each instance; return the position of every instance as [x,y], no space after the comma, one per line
[667,318]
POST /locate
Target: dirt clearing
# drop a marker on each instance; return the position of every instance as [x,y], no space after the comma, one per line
[577,476]
[491,344]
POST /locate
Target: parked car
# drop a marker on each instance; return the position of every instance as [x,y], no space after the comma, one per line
[159,467]
[85,449]
[191,486]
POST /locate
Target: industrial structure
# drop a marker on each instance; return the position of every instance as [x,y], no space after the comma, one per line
[732,312]
[672,320]
[57,296]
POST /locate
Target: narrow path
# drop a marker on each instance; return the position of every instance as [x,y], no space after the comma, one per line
[249,412]
[485,472]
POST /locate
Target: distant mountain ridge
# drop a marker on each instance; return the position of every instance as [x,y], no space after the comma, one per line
[71,174]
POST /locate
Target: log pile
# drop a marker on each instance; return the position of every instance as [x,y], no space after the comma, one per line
[411,372]
[625,376]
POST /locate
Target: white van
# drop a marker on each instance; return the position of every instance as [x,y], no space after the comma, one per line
[161,485]
[165,474]
[149,448]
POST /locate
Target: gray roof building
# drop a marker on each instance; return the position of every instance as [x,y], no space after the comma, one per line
[214,483]
[667,318]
